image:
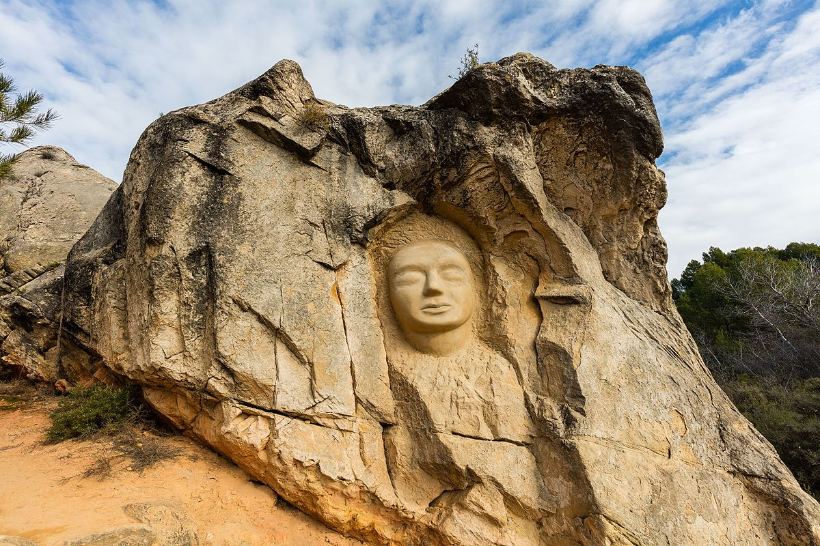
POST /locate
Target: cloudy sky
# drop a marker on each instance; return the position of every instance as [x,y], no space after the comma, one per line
[737,84]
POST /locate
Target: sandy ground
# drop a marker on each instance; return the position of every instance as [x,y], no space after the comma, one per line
[44,496]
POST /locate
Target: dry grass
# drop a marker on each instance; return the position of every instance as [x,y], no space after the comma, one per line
[135,445]
[101,469]
[143,448]
[313,116]
[117,417]
[17,393]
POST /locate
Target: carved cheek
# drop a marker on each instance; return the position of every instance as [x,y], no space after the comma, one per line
[406,296]
[464,297]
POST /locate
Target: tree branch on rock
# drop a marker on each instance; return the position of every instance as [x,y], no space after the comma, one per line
[19,119]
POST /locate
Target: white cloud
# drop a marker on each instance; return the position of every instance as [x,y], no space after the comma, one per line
[747,170]
[736,90]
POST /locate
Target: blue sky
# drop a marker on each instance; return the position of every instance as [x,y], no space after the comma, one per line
[736,84]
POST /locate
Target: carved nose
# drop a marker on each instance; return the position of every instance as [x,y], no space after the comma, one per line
[432,284]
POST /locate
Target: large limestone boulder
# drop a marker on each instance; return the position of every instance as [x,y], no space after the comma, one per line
[45,207]
[447,324]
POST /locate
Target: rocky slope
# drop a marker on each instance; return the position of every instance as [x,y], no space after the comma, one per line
[45,207]
[244,275]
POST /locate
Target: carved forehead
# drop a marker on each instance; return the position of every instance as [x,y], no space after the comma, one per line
[427,252]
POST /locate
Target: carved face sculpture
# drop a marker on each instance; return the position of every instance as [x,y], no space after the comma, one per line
[431,287]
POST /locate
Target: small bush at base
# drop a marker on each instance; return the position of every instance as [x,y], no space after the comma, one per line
[89,409]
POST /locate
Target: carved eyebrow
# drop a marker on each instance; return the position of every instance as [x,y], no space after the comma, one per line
[408,267]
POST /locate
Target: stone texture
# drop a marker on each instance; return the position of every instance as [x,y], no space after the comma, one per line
[171,526]
[136,535]
[47,204]
[45,207]
[238,275]
[15,541]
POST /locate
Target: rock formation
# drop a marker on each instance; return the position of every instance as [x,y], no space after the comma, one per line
[45,207]
[527,382]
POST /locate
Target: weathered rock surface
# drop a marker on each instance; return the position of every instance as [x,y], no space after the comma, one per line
[239,275]
[160,525]
[45,207]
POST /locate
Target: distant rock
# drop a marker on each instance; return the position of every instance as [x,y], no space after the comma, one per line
[45,207]
[448,324]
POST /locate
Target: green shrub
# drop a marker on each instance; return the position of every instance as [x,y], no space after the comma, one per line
[789,417]
[87,410]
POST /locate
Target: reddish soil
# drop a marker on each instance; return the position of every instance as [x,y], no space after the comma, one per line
[45,496]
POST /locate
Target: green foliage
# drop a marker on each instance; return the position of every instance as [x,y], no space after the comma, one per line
[755,310]
[789,418]
[19,118]
[468,62]
[700,299]
[755,314]
[87,410]
[799,251]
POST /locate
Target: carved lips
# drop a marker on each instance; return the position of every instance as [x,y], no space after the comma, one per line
[436,308]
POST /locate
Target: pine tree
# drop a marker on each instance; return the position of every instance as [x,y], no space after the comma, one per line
[19,118]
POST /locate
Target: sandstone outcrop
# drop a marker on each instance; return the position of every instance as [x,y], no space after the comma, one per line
[45,207]
[246,275]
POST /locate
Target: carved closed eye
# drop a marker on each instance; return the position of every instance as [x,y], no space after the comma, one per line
[409,277]
[453,273]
